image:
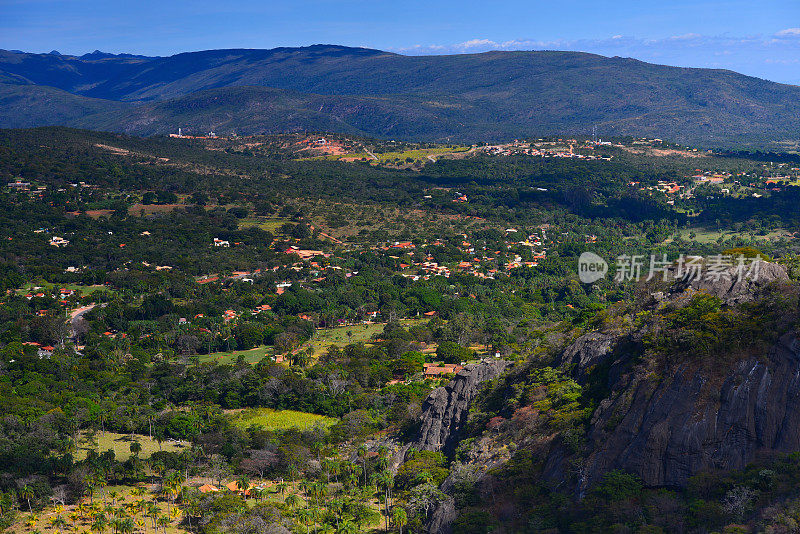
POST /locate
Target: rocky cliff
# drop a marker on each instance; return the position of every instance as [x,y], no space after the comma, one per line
[445,411]
[667,424]
[666,432]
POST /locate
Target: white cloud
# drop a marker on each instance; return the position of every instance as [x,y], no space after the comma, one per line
[476,43]
[686,37]
[789,32]
[772,56]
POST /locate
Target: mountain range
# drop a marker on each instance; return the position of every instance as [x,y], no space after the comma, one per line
[469,97]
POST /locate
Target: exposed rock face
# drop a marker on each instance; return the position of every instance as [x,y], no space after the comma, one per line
[445,411]
[669,431]
[588,351]
[442,517]
[667,426]
[735,288]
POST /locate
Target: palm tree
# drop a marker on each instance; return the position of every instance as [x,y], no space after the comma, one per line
[281,487]
[58,522]
[399,517]
[175,514]
[304,486]
[347,527]
[98,525]
[292,472]
[383,457]
[101,481]
[243,483]
[91,482]
[27,493]
[386,480]
[257,494]
[153,511]
[83,510]
[362,455]
[135,448]
[163,522]
[292,501]
[305,518]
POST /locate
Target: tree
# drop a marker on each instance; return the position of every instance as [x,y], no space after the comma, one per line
[425,496]
[163,522]
[27,493]
[257,494]
[243,483]
[304,515]
[260,462]
[152,512]
[347,527]
[738,501]
[58,522]
[399,517]
[98,525]
[292,501]
[451,352]
[385,479]
[362,455]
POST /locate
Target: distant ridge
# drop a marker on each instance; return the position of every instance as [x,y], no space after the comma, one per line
[469,97]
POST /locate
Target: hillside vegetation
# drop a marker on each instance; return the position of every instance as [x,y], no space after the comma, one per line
[475,97]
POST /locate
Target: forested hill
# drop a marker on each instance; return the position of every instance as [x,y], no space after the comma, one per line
[469,97]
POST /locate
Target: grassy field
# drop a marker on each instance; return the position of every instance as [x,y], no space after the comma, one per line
[420,154]
[120,444]
[706,235]
[250,356]
[268,224]
[343,335]
[47,286]
[319,344]
[280,419]
[389,157]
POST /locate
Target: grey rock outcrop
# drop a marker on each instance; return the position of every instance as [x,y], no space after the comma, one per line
[733,287]
[442,517]
[668,431]
[588,351]
[445,411]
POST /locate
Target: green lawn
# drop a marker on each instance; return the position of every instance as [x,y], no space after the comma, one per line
[280,419]
[325,337]
[120,444]
[268,224]
[388,157]
[322,340]
[47,286]
[250,356]
[706,235]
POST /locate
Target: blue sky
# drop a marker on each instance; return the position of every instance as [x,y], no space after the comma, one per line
[760,38]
